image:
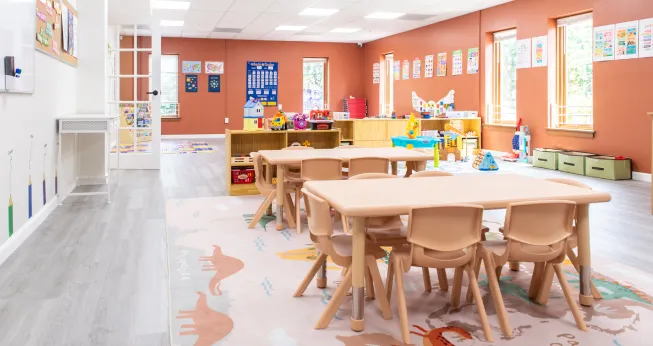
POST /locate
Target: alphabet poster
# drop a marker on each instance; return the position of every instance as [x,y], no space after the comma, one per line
[405,70]
[442,64]
[524,53]
[604,43]
[376,73]
[539,51]
[457,62]
[417,68]
[472,61]
[626,35]
[646,38]
[396,69]
[428,66]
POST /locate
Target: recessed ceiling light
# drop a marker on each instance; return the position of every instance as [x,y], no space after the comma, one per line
[172,22]
[384,15]
[345,30]
[170,5]
[318,12]
[290,27]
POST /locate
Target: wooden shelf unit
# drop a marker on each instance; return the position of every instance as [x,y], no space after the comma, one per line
[240,142]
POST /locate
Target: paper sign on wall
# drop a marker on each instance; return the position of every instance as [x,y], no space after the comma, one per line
[539,51]
[405,70]
[646,38]
[214,84]
[626,36]
[191,83]
[396,69]
[417,68]
[472,61]
[428,66]
[442,64]
[213,67]
[604,43]
[191,67]
[376,73]
[457,62]
[524,53]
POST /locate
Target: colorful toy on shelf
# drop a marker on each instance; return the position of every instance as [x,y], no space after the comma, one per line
[320,119]
[306,143]
[300,121]
[437,109]
[485,162]
[253,114]
[412,128]
[278,122]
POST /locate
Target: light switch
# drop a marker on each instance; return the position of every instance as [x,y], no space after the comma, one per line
[226,120]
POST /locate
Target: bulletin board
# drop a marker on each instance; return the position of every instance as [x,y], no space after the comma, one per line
[263,82]
[56,30]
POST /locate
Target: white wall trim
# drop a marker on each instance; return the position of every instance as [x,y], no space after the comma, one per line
[21,235]
[646,177]
[207,136]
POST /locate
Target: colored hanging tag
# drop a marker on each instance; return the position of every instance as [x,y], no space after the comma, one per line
[48,29]
[41,16]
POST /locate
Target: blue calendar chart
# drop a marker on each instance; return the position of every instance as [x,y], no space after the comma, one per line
[263,82]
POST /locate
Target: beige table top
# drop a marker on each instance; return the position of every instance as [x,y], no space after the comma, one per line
[384,197]
[288,157]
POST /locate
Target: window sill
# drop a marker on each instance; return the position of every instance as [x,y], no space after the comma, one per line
[170,119]
[571,133]
[510,127]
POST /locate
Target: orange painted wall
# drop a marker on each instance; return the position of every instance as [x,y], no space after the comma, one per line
[621,88]
[204,112]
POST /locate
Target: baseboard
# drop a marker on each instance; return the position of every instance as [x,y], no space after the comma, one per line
[21,235]
[207,136]
[646,177]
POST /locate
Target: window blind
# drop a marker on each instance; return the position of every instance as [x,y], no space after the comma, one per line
[574,19]
[505,35]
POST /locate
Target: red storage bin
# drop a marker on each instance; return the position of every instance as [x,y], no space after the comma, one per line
[356,107]
[242,176]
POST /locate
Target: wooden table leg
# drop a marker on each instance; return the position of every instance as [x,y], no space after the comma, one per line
[268,179]
[358,275]
[280,196]
[584,257]
[393,166]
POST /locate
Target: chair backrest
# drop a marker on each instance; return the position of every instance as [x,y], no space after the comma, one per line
[259,174]
[445,228]
[372,176]
[319,217]
[570,182]
[368,165]
[542,223]
[296,146]
[321,169]
[423,174]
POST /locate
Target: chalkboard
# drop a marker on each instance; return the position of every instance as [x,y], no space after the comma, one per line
[262,82]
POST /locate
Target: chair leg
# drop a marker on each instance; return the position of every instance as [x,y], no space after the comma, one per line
[497,271]
[335,302]
[427,279]
[289,210]
[477,270]
[574,260]
[546,282]
[514,266]
[389,278]
[536,280]
[345,224]
[261,210]
[298,198]
[473,284]
[321,281]
[310,275]
[442,279]
[369,284]
[378,287]
[495,290]
[401,300]
[457,287]
[570,299]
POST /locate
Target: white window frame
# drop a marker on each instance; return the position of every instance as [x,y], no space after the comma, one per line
[164,73]
[494,112]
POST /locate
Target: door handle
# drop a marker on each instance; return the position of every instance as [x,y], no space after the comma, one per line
[155,92]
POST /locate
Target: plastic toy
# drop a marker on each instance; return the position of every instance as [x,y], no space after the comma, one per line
[412,141]
[412,128]
[485,162]
[521,143]
[278,122]
[320,119]
[253,114]
[300,121]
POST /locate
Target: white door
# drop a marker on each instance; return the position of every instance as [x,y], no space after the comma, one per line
[135,94]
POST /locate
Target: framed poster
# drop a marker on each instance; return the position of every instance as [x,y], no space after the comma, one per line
[191,67]
[263,82]
[405,70]
[191,83]
[376,73]
[604,43]
[417,68]
[213,67]
[626,35]
[472,61]
[442,64]
[214,83]
[457,62]
[428,66]
[396,69]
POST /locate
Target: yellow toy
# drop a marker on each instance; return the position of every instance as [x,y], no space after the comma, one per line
[278,122]
[412,128]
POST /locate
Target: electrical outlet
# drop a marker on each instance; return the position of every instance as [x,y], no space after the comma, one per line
[226,120]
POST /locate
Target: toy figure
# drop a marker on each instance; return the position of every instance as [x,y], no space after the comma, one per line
[300,120]
[412,128]
[278,122]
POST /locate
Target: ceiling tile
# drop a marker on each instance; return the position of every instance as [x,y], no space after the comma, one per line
[338,4]
[169,14]
[195,34]
[236,19]
[167,31]
[204,16]
[222,35]
[302,21]
[290,6]
[250,5]
[211,5]
[248,36]
[266,22]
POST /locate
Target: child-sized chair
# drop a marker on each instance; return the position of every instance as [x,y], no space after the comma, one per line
[316,169]
[440,237]
[535,232]
[270,191]
[339,248]
[293,169]
[367,165]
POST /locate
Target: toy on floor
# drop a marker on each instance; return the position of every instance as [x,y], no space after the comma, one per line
[278,122]
[521,143]
[485,162]
[300,121]
[253,114]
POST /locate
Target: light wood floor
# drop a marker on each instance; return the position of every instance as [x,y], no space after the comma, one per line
[95,273]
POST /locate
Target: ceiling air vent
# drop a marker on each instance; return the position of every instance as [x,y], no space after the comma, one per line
[231,30]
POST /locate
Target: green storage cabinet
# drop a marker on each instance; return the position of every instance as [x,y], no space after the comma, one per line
[546,158]
[572,162]
[608,167]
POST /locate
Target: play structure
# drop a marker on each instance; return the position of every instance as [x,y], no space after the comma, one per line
[412,141]
[253,115]
[485,162]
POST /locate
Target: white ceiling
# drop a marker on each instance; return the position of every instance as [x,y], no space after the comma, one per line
[257,19]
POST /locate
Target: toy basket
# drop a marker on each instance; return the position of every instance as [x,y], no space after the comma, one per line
[242,176]
[321,124]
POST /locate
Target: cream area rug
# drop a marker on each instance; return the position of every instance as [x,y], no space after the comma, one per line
[230,285]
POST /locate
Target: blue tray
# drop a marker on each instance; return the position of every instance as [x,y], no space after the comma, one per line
[418,142]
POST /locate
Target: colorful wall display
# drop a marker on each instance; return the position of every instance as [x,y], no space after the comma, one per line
[472,61]
[56,30]
[524,53]
[442,64]
[214,84]
[626,40]
[376,73]
[191,83]
[428,66]
[191,67]
[405,70]
[457,63]
[263,82]
[646,38]
[213,67]
[539,51]
[604,43]
[396,69]
[417,68]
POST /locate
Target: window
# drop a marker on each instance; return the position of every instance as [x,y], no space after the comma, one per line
[573,108]
[503,109]
[169,85]
[315,81]
[387,84]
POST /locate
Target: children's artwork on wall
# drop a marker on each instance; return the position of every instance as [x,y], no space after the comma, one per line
[539,51]
[405,70]
[472,61]
[646,38]
[376,73]
[524,53]
[191,67]
[428,66]
[437,109]
[191,83]
[214,84]
[626,36]
[442,64]
[417,68]
[263,82]
[396,69]
[457,62]
[213,67]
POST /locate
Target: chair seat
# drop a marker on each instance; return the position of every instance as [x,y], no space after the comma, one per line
[342,244]
[404,254]
[498,247]
[293,178]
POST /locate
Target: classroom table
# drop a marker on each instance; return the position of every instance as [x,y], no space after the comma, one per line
[283,158]
[361,199]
